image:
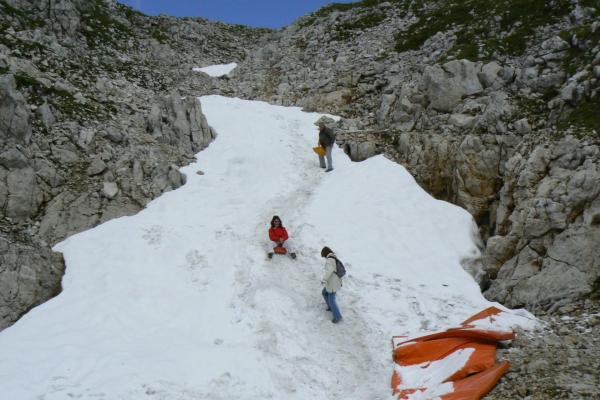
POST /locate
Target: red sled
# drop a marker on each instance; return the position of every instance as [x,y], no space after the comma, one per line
[280,250]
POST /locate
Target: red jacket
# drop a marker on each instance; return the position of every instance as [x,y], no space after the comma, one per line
[278,234]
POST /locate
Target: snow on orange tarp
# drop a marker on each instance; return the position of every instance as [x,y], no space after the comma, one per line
[478,385]
[473,387]
[455,362]
[482,358]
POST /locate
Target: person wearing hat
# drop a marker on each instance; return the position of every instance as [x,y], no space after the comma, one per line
[326,140]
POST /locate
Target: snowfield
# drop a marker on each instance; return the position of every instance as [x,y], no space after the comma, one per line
[217,70]
[180,301]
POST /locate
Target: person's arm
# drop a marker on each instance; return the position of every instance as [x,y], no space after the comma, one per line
[285,234]
[331,136]
[272,235]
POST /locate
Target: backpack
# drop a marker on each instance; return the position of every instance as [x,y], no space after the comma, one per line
[340,270]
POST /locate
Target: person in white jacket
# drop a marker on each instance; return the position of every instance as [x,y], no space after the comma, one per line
[332,284]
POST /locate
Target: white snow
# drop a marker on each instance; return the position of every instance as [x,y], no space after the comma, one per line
[217,70]
[181,302]
[429,374]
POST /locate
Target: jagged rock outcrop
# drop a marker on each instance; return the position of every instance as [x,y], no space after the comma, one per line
[14,113]
[28,277]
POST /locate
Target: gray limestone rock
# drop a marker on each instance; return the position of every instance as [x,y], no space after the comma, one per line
[522,126]
[463,121]
[24,194]
[67,214]
[14,111]
[13,158]
[45,115]
[445,86]
[97,166]
[180,123]
[48,173]
[489,74]
[110,189]
[29,276]
[63,155]
[114,134]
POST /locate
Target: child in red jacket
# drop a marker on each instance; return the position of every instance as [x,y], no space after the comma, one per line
[279,236]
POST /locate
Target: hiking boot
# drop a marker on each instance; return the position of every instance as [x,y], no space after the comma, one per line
[328,309]
[270,255]
[336,320]
[293,255]
[329,169]
[323,167]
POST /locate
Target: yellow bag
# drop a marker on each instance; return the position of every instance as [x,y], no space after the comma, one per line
[320,151]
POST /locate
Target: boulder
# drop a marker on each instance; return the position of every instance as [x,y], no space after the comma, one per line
[14,111]
[24,194]
[97,166]
[110,190]
[30,275]
[44,114]
[446,85]
[13,158]
[522,126]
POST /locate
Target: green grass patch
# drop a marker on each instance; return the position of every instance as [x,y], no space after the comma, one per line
[160,36]
[369,18]
[100,29]
[23,17]
[130,13]
[62,100]
[549,94]
[586,116]
[581,55]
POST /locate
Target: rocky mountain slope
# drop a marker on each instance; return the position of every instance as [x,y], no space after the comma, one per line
[491,107]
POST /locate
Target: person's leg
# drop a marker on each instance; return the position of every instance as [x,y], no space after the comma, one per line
[322,161]
[270,247]
[334,307]
[326,297]
[328,154]
[288,246]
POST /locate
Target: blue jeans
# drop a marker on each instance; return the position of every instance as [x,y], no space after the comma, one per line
[331,303]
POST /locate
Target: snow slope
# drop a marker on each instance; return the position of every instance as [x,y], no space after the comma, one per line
[181,302]
[217,70]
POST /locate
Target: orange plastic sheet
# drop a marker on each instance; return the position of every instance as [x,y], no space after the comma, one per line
[472,380]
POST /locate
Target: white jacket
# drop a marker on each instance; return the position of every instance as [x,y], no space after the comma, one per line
[332,282]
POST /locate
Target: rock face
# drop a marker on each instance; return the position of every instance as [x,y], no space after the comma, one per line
[28,277]
[14,113]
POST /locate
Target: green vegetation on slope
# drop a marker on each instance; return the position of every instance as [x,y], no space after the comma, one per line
[100,28]
[499,26]
[481,27]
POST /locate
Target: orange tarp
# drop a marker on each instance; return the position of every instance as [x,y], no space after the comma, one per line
[478,374]
[476,386]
